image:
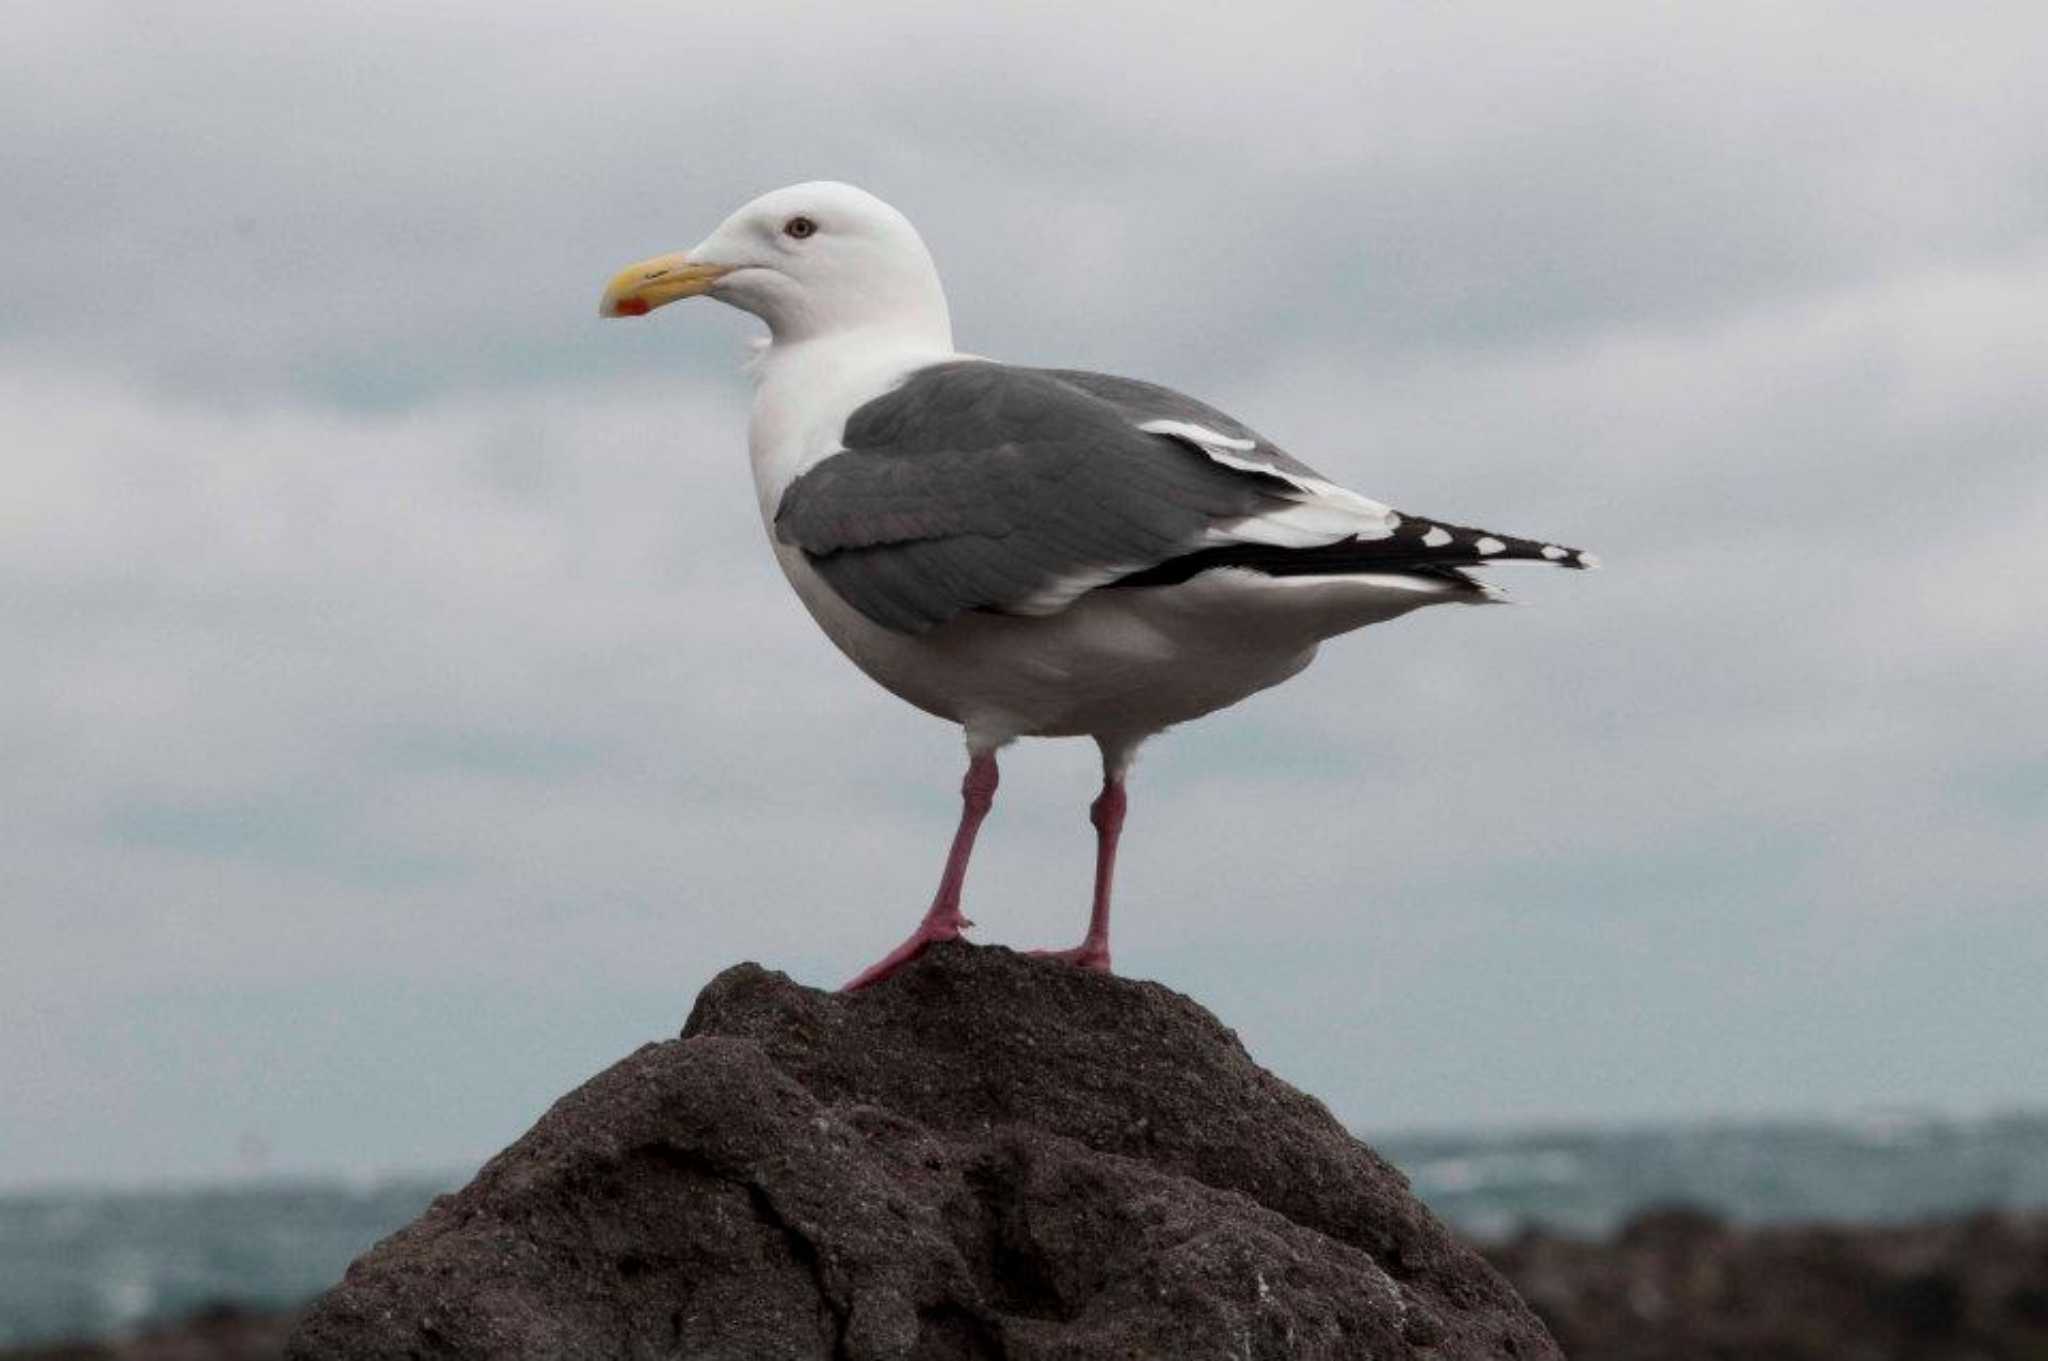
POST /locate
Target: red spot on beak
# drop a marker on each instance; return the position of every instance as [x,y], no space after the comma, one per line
[630,307]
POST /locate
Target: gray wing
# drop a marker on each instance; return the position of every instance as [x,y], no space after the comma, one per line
[1145,403]
[975,485]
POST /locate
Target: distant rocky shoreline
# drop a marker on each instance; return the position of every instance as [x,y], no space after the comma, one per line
[1671,1285]
[1681,1285]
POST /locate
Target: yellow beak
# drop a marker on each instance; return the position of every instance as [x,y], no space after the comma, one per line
[638,289]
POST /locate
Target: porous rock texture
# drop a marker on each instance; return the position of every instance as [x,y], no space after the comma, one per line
[987,1156]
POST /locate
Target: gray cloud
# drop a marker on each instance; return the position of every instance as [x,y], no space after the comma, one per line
[405,714]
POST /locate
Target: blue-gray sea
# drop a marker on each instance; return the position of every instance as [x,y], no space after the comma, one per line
[76,1263]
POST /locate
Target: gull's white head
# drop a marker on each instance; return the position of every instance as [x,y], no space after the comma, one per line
[810,260]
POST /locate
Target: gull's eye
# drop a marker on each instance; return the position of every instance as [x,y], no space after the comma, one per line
[799,228]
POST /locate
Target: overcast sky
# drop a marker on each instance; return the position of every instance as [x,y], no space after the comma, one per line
[401,715]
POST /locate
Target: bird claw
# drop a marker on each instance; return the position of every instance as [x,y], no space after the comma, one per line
[929,932]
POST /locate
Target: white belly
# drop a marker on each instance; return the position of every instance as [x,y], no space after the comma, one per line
[1117,663]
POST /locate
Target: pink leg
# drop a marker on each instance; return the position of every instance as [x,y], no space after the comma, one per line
[1107,813]
[944,921]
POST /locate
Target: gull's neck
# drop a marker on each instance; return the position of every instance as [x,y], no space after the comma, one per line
[805,389]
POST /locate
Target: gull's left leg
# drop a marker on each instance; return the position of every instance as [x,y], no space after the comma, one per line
[1107,813]
[944,920]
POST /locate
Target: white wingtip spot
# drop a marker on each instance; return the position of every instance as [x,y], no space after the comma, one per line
[1588,560]
[1490,545]
[1553,552]
[1437,537]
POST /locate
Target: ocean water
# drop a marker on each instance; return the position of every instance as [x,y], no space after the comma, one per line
[82,1263]
[1878,1169]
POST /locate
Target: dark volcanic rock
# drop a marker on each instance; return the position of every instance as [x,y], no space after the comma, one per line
[986,1157]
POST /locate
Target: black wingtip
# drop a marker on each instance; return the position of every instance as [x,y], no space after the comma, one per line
[1434,541]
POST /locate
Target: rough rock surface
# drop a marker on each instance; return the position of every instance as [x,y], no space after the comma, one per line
[986,1157]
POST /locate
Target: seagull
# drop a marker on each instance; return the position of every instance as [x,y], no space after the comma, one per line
[1031,552]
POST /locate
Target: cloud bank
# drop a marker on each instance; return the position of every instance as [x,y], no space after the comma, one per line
[404,715]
